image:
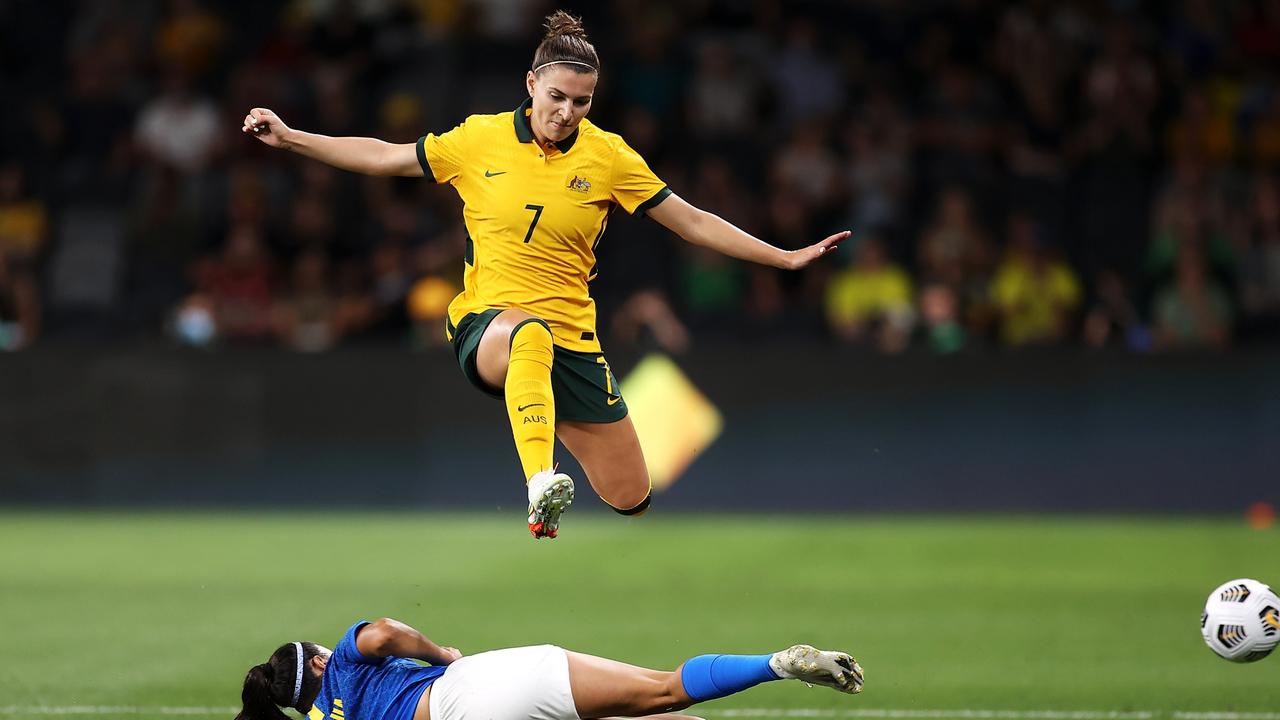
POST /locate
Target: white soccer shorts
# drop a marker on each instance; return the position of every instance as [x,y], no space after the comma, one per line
[524,683]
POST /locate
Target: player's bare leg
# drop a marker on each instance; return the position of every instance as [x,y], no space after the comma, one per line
[516,353]
[660,716]
[603,688]
[611,456]
[494,352]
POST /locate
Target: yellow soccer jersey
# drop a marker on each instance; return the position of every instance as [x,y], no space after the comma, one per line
[534,215]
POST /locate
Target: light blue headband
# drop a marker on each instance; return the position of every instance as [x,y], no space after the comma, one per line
[297,681]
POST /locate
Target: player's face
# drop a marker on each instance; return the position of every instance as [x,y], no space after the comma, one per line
[561,98]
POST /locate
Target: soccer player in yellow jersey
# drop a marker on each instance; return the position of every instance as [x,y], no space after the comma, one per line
[538,185]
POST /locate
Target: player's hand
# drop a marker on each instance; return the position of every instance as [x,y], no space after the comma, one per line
[450,654]
[266,126]
[797,259]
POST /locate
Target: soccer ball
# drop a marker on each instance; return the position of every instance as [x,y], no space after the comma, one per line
[1241,620]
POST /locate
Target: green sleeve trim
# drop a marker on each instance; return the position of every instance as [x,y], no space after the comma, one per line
[652,202]
[421,147]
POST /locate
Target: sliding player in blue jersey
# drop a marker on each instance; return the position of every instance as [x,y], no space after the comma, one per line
[369,676]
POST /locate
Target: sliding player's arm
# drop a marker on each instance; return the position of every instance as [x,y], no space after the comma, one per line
[392,638]
[368,156]
[712,231]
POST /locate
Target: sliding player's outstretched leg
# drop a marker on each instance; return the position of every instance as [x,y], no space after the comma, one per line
[603,687]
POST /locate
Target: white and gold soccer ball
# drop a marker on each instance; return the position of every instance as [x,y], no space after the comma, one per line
[1241,620]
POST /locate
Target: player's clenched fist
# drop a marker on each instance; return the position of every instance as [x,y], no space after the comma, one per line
[266,126]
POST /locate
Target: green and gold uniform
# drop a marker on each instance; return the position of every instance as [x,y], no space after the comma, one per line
[534,216]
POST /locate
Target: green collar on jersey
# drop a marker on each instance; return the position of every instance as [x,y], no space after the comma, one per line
[524,132]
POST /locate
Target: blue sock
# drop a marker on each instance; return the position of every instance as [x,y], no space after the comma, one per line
[708,677]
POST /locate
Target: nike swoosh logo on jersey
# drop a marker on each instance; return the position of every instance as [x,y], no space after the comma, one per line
[522,408]
[490,173]
[614,400]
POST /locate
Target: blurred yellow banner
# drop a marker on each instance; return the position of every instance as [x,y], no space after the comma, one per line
[674,420]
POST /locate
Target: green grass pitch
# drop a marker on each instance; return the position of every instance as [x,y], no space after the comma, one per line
[122,615]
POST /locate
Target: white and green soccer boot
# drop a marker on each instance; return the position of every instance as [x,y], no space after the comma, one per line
[550,494]
[836,670]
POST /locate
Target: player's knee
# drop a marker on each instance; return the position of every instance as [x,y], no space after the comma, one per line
[633,506]
[531,340]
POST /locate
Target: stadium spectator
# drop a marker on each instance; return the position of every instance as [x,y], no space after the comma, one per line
[1193,310]
[434,283]
[724,94]
[808,165]
[306,316]
[190,39]
[1036,153]
[1114,317]
[179,129]
[92,142]
[1257,31]
[954,256]
[649,312]
[806,81]
[940,313]
[19,304]
[312,221]
[24,219]
[1114,145]
[960,130]
[1260,251]
[1034,293]
[238,286]
[873,296]
[649,75]
[879,171]
[1183,219]
[1195,39]
[1203,130]
[711,287]
[1264,137]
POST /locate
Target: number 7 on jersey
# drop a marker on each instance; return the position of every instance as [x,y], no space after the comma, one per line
[537,213]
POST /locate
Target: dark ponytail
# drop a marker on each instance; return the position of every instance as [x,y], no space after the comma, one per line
[269,686]
[256,696]
[566,42]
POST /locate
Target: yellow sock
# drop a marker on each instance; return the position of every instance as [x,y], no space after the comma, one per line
[530,405]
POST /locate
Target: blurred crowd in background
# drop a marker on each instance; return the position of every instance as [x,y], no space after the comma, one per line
[1096,173]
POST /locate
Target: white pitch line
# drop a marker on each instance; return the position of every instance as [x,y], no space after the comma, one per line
[1226,716]
[851,714]
[976,714]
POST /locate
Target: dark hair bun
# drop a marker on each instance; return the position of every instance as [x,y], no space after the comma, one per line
[561,23]
[566,42]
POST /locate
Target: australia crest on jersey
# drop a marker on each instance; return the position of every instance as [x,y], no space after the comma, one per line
[579,184]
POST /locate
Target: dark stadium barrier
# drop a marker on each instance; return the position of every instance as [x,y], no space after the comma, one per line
[807,428]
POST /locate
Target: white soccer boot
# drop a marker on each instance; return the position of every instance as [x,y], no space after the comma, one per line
[808,664]
[550,494]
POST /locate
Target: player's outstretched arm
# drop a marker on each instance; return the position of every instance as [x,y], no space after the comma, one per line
[368,156]
[392,638]
[712,231]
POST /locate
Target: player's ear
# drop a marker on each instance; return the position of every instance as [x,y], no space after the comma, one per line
[529,81]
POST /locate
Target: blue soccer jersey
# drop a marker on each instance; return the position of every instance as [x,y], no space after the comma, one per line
[355,687]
